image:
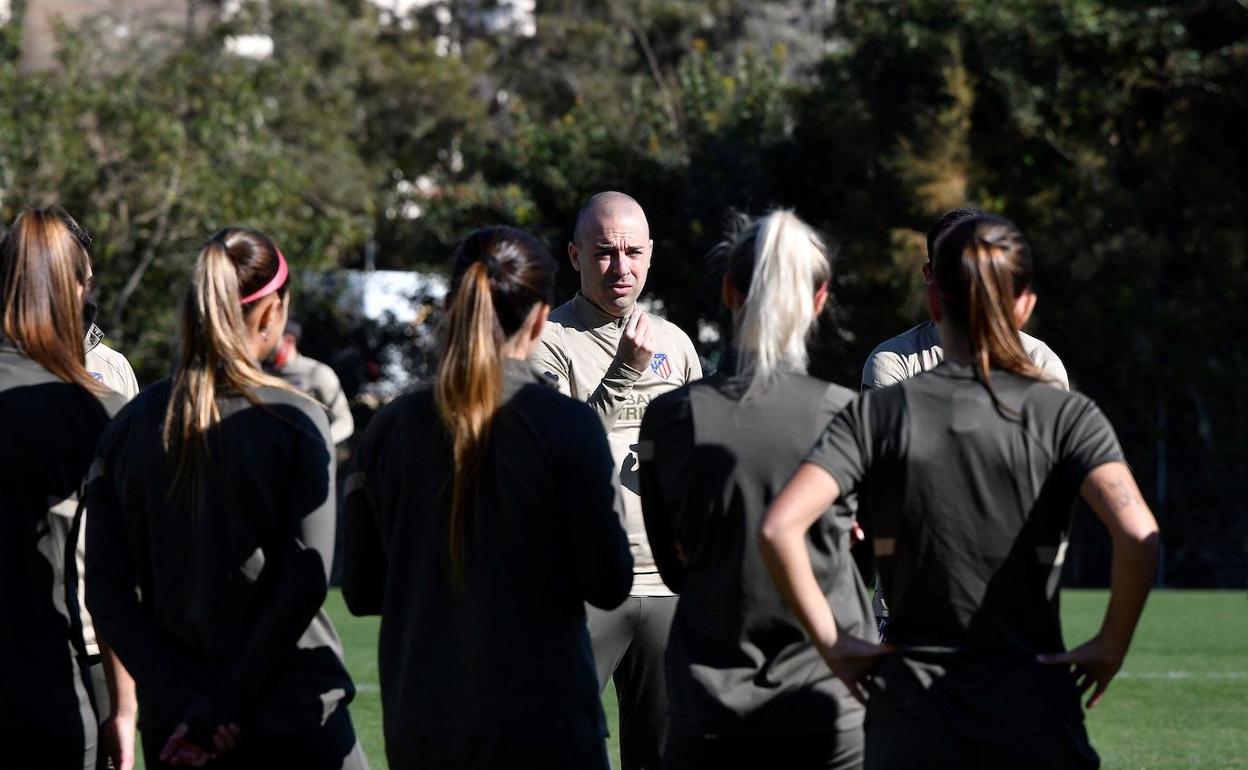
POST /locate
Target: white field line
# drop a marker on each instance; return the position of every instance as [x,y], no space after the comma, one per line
[1213,675]
[1234,676]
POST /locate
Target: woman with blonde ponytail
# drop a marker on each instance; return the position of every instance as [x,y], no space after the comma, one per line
[211,533]
[745,684]
[53,412]
[971,471]
[482,515]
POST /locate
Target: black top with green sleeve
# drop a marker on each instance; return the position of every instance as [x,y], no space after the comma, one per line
[970,507]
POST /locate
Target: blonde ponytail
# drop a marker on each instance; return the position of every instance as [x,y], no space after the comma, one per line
[786,262]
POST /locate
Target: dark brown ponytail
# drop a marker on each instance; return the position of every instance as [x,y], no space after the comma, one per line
[981,266]
[500,274]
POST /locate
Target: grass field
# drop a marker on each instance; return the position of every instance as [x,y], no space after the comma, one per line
[1181,700]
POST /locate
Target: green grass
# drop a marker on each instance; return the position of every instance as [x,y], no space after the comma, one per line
[1181,700]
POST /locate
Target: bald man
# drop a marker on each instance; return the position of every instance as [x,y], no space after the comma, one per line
[602,349]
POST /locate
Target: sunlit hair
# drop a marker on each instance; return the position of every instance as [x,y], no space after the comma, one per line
[44,268]
[946,222]
[214,356]
[500,273]
[981,266]
[778,263]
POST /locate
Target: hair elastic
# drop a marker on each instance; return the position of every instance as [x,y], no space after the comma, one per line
[275,283]
[492,265]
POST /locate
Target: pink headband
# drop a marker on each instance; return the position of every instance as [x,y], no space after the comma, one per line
[275,283]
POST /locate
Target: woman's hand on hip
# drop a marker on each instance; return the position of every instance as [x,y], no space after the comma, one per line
[1094,664]
[853,660]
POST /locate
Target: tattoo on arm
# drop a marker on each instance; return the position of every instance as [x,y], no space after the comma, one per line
[1119,495]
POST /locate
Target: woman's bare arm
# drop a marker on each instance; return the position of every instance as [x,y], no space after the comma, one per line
[1112,492]
[782,540]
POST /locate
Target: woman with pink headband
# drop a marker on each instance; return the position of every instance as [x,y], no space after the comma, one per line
[214,498]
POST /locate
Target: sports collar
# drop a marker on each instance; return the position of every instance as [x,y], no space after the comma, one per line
[594,316]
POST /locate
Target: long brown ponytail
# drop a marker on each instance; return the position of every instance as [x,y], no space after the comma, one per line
[44,267]
[981,266]
[500,274]
[214,355]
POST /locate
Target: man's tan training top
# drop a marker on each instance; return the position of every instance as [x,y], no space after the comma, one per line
[918,350]
[577,351]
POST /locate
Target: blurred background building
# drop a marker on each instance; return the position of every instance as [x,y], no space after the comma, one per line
[166,22]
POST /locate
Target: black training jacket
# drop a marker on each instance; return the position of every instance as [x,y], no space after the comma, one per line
[500,673]
[226,623]
[49,435]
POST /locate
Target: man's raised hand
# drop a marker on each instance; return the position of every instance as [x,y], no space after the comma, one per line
[637,345]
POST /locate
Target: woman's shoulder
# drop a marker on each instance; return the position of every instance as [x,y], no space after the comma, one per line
[676,405]
[543,400]
[273,396]
[1046,394]
[1049,405]
[292,408]
[833,394]
[417,402]
[550,416]
[408,409]
[152,399]
[801,388]
[141,416]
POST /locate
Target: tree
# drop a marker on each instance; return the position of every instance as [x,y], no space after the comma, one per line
[1111,132]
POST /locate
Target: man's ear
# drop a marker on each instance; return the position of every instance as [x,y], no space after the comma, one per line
[574,256]
[933,303]
[539,323]
[1024,306]
[927,273]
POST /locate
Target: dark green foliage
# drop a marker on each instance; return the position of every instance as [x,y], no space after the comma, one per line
[1112,132]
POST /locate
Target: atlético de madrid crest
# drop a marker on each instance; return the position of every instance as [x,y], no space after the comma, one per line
[661,366]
